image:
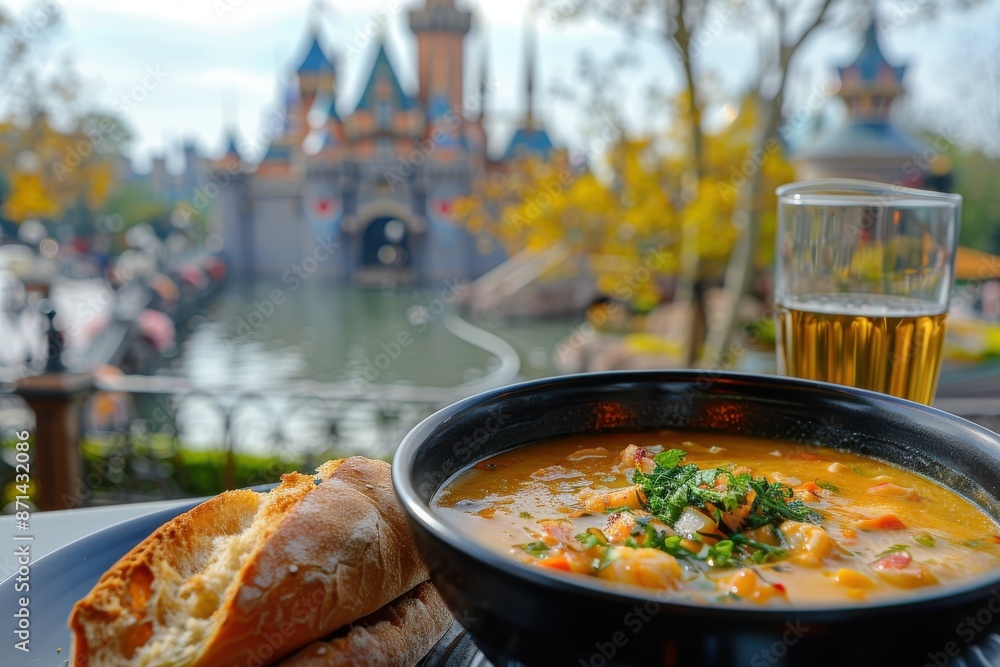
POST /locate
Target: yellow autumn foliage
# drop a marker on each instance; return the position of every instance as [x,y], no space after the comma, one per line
[644,206]
[48,171]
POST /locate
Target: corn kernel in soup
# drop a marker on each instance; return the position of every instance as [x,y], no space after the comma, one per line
[710,517]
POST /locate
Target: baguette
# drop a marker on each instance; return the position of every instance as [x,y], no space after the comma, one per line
[245,578]
[397,635]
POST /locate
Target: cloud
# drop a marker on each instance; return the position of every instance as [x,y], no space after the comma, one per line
[207,14]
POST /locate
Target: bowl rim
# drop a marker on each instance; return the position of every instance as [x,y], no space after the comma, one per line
[422,513]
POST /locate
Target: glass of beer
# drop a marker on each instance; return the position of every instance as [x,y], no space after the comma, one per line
[864,272]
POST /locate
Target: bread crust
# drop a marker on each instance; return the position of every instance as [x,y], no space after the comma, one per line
[397,635]
[327,551]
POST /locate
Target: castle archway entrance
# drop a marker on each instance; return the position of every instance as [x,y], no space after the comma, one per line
[386,241]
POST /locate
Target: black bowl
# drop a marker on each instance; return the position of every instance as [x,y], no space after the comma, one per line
[520,615]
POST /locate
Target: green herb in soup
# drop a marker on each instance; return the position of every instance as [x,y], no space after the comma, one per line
[723,518]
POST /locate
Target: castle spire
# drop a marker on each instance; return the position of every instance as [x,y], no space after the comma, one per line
[440,28]
[529,63]
[870,84]
[531,139]
[484,73]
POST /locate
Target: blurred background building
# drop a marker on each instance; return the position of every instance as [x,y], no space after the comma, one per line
[868,144]
[375,185]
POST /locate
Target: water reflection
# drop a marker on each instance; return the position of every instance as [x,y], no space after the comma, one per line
[244,355]
[328,334]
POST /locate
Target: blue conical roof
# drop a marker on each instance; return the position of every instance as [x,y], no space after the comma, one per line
[529,140]
[315,61]
[382,69]
[871,64]
[231,148]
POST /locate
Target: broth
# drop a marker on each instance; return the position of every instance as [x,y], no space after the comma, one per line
[778,523]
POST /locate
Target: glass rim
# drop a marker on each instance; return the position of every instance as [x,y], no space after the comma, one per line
[853,191]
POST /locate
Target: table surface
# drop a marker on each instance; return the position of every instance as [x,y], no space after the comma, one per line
[52,530]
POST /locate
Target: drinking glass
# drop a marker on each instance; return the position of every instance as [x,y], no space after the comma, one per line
[864,272]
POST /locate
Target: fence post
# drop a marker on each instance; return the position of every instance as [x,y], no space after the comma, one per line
[57,464]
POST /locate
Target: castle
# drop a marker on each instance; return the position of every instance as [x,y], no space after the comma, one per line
[368,195]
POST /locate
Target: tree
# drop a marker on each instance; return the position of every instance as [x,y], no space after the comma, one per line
[53,172]
[57,161]
[684,28]
[630,222]
[976,176]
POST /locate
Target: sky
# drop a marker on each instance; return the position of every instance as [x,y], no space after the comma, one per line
[188,69]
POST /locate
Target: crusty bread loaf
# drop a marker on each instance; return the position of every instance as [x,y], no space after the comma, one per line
[246,578]
[397,635]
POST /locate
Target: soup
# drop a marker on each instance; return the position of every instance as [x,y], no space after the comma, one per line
[714,517]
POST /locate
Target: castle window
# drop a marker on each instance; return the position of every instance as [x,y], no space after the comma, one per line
[383,114]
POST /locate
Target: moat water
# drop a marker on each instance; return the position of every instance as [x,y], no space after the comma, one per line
[268,334]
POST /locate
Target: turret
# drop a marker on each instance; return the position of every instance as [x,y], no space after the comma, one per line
[231,159]
[868,145]
[531,139]
[440,28]
[870,84]
[316,74]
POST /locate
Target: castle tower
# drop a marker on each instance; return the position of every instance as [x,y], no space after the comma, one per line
[442,120]
[530,140]
[316,75]
[475,129]
[440,28]
[333,136]
[870,84]
[231,159]
[867,145]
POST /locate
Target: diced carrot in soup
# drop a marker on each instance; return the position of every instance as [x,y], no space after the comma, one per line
[707,517]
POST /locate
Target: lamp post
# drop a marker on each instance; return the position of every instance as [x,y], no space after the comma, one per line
[56,397]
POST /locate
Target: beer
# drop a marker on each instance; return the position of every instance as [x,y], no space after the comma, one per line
[890,344]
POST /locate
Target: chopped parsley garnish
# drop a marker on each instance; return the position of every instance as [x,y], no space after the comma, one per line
[606,558]
[673,486]
[721,554]
[592,538]
[762,553]
[535,549]
[669,458]
[525,515]
[925,539]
